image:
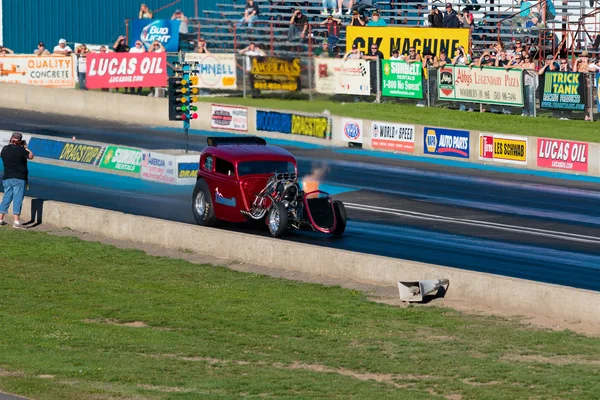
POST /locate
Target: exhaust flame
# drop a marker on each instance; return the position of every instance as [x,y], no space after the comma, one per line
[311,182]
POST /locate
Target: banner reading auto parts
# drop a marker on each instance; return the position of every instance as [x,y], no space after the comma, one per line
[423,39]
[117,70]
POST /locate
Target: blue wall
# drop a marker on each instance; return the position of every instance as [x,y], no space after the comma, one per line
[26,22]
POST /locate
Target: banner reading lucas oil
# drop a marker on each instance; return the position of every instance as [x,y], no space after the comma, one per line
[402,38]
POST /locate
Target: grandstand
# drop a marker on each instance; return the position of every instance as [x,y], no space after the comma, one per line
[574,20]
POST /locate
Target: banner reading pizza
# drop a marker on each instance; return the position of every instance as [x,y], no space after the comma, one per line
[116,70]
[424,40]
[52,71]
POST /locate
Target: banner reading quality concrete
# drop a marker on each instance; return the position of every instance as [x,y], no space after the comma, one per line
[271,73]
[563,90]
[122,159]
[217,71]
[402,79]
[52,71]
[489,85]
[402,38]
[336,76]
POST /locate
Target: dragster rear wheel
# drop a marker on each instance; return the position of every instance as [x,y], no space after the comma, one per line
[340,218]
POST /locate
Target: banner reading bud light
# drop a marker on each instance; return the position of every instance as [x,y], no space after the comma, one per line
[115,70]
[165,31]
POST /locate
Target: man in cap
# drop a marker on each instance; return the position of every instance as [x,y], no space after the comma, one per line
[62,48]
[41,50]
[435,18]
[333,26]
[14,157]
[376,20]
[298,23]
[450,17]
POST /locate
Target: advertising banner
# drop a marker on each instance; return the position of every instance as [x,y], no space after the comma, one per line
[165,31]
[122,159]
[187,169]
[402,79]
[562,154]
[598,90]
[336,76]
[229,117]
[488,85]
[217,71]
[502,148]
[271,73]
[563,90]
[159,167]
[295,124]
[51,71]
[402,38]
[116,70]
[390,136]
[5,138]
[352,130]
[66,151]
[446,142]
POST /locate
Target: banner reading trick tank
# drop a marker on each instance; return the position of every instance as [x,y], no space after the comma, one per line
[402,38]
[216,71]
[165,31]
[563,90]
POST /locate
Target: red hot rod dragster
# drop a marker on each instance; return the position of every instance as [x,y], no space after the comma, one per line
[244,179]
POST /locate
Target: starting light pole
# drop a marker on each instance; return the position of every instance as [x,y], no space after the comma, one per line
[183,95]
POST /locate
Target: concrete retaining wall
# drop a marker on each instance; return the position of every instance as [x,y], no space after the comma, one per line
[496,291]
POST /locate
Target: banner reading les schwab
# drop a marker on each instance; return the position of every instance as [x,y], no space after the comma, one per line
[115,70]
[501,148]
[296,124]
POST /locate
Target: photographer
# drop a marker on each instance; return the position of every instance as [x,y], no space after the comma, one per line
[14,157]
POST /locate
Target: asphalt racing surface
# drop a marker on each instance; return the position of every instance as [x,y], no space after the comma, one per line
[530,226]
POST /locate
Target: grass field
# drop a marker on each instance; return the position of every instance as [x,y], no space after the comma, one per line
[87,321]
[515,124]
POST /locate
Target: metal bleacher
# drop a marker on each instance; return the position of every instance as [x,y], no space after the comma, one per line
[494,19]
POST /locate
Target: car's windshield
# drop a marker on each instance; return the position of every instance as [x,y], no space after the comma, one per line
[265,167]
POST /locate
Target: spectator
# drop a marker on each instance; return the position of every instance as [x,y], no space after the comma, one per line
[530,84]
[145,12]
[325,51]
[81,51]
[435,18]
[596,44]
[139,48]
[251,14]
[412,56]
[328,4]
[583,63]
[41,50]
[502,60]
[252,50]
[348,3]
[298,23]
[376,20]
[450,17]
[354,53]
[486,60]
[515,62]
[358,19]
[202,47]
[103,50]
[462,58]
[4,51]
[375,57]
[62,48]
[334,25]
[549,65]
[155,47]
[442,60]
[564,66]
[14,158]
[120,46]
[396,55]
[467,20]
[183,27]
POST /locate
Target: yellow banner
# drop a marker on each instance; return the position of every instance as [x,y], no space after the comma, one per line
[510,149]
[402,38]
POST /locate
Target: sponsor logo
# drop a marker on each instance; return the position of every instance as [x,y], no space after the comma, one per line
[164,31]
[446,142]
[393,136]
[148,160]
[187,170]
[562,154]
[81,153]
[446,81]
[352,130]
[232,118]
[222,118]
[271,121]
[219,198]
[122,159]
[503,148]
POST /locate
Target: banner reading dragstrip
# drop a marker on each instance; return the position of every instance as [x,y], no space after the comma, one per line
[424,40]
[54,71]
[217,71]
[115,70]
[488,85]
[336,76]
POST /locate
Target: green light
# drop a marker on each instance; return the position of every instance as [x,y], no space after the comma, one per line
[184,108]
[193,108]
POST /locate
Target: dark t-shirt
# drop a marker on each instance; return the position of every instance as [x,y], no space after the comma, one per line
[251,8]
[503,63]
[301,21]
[122,48]
[14,159]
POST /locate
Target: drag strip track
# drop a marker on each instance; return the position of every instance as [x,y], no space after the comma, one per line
[514,225]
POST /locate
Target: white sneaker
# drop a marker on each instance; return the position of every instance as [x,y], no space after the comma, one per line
[18,225]
[349,12]
[338,13]
[324,12]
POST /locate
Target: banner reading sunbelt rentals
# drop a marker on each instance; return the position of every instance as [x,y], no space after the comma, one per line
[386,135]
[402,38]
[562,154]
[217,71]
[51,71]
[503,148]
[487,85]
[164,31]
[336,76]
[563,90]
[122,159]
[402,79]
[271,73]
[116,70]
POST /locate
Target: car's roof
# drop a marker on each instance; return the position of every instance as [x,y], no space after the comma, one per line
[249,152]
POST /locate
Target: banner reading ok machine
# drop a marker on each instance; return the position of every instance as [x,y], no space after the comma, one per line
[424,40]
